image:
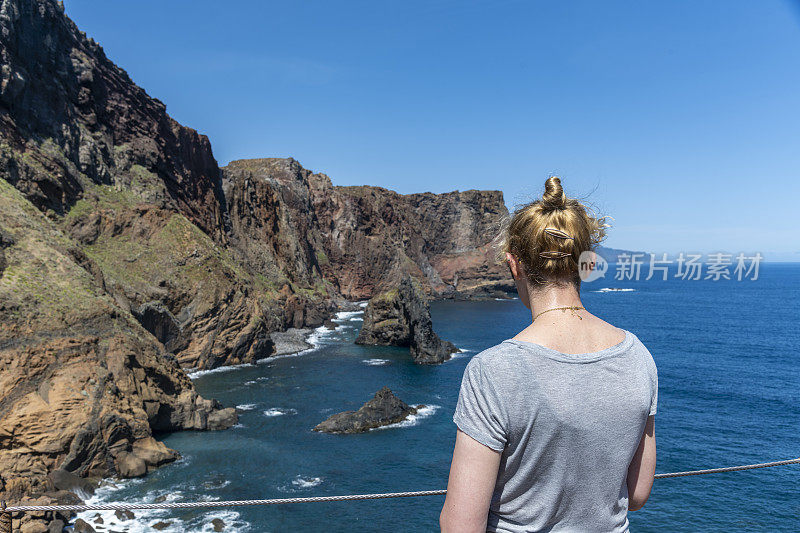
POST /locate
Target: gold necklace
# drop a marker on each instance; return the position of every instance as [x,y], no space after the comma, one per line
[568,307]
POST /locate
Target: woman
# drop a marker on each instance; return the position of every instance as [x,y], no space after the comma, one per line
[556,425]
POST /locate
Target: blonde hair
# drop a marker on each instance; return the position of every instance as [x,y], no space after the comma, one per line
[548,235]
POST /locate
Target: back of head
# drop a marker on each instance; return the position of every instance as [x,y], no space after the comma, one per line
[548,236]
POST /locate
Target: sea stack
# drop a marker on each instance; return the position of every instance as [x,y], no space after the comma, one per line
[401,317]
[383,409]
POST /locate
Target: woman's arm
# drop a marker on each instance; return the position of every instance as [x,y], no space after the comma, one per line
[473,473]
[642,467]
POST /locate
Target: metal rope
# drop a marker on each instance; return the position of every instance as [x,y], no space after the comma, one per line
[276,501]
[728,469]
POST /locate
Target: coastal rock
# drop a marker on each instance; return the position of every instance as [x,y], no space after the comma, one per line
[383,409]
[81,526]
[124,515]
[222,418]
[155,453]
[67,481]
[401,317]
[34,526]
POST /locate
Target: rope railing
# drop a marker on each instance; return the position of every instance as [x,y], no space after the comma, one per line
[5,512]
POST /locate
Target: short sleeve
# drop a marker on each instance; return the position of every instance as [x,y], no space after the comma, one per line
[653,373]
[478,412]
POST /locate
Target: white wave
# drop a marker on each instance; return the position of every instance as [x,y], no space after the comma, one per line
[322,332]
[346,315]
[376,362]
[194,374]
[363,303]
[143,520]
[279,411]
[246,406]
[357,319]
[412,420]
[231,519]
[238,425]
[614,289]
[216,484]
[256,381]
[306,482]
[462,352]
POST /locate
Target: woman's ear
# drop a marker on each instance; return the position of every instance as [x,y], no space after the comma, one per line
[517,269]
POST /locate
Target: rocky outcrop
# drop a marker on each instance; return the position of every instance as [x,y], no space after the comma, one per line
[383,409]
[82,385]
[402,317]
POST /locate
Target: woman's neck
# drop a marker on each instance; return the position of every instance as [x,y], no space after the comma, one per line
[551,296]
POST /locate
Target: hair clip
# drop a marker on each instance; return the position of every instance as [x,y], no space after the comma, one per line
[554,254]
[555,232]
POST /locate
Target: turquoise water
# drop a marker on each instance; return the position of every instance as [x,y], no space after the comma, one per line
[727,357]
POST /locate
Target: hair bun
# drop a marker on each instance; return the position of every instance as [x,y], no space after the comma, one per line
[553,197]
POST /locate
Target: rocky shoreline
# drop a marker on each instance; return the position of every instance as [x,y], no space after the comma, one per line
[146,454]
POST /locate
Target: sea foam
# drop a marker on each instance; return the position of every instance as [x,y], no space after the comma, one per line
[279,411]
[412,420]
[375,362]
[144,519]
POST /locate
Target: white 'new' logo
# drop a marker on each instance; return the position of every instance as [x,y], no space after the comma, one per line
[591,266]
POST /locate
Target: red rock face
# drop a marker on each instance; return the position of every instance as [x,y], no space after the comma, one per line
[359,238]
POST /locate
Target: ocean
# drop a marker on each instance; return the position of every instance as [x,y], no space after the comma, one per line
[729,385]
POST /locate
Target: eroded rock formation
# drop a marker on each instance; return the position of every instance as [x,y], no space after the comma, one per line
[383,409]
[401,317]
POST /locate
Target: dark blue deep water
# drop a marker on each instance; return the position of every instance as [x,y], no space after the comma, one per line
[729,384]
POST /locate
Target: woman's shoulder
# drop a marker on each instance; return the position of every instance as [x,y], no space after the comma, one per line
[495,358]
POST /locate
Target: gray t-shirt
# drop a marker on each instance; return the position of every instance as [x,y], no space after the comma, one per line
[567,425]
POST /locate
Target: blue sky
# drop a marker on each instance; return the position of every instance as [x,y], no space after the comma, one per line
[680,119]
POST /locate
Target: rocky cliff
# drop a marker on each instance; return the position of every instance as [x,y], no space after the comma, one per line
[82,385]
[127,254]
[349,240]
